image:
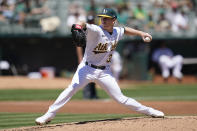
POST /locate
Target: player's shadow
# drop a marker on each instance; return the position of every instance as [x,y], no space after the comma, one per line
[115,119]
[85,122]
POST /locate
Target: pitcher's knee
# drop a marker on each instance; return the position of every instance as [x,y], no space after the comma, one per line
[72,88]
[121,99]
[76,85]
[163,59]
[178,58]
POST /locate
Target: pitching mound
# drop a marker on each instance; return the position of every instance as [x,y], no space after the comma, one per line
[175,123]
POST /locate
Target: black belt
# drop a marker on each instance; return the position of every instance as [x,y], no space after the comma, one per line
[96,67]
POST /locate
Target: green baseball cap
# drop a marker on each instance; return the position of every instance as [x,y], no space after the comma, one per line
[108,12]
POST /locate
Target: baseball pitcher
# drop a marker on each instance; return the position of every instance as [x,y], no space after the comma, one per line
[101,41]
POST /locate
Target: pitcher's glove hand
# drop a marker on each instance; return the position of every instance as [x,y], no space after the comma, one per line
[78,35]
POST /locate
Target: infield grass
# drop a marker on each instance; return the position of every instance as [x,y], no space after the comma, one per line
[14,120]
[140,92]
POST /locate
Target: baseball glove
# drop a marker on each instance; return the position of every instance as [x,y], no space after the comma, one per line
[78,35]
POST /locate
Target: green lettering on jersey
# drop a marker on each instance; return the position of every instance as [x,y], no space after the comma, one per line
[100,48]
[114,45]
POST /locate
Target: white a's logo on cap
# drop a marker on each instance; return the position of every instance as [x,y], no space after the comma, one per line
[104,11]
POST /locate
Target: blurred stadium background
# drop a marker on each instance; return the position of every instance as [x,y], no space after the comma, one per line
[35,34]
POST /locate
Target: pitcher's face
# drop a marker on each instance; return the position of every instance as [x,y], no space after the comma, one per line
[107,22]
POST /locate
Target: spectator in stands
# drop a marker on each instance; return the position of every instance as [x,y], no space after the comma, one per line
[163,24]
[166,60]
[194,4]
[179,20]
[76,14]
[39,7]
[2,19]
[75,7]
[22,8]
[25,8]
[120,2]
[140,13]
[186,5]
[150,25]
[2,4]
[195,20]
[75,18]
[158,3]
[123,14]
[91,8]
[6,9]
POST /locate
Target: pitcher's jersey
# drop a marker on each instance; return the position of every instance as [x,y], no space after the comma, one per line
[101,44]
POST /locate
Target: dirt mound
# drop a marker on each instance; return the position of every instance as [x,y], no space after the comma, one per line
[178,123]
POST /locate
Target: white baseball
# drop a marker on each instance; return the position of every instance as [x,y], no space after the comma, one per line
[147,39]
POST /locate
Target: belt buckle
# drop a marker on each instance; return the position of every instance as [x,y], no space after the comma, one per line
[95,66]
[87,63]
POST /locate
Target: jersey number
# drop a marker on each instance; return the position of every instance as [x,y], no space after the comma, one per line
[109,58]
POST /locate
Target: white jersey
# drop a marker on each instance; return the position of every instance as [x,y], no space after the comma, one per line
[101,44]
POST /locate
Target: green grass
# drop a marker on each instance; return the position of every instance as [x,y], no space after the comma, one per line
[139,92]
[163,92]
[14,120]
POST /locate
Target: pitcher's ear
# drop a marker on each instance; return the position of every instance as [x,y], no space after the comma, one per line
[114,21]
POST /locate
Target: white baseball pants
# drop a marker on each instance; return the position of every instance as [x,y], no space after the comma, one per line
[104,78]
[166,63]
